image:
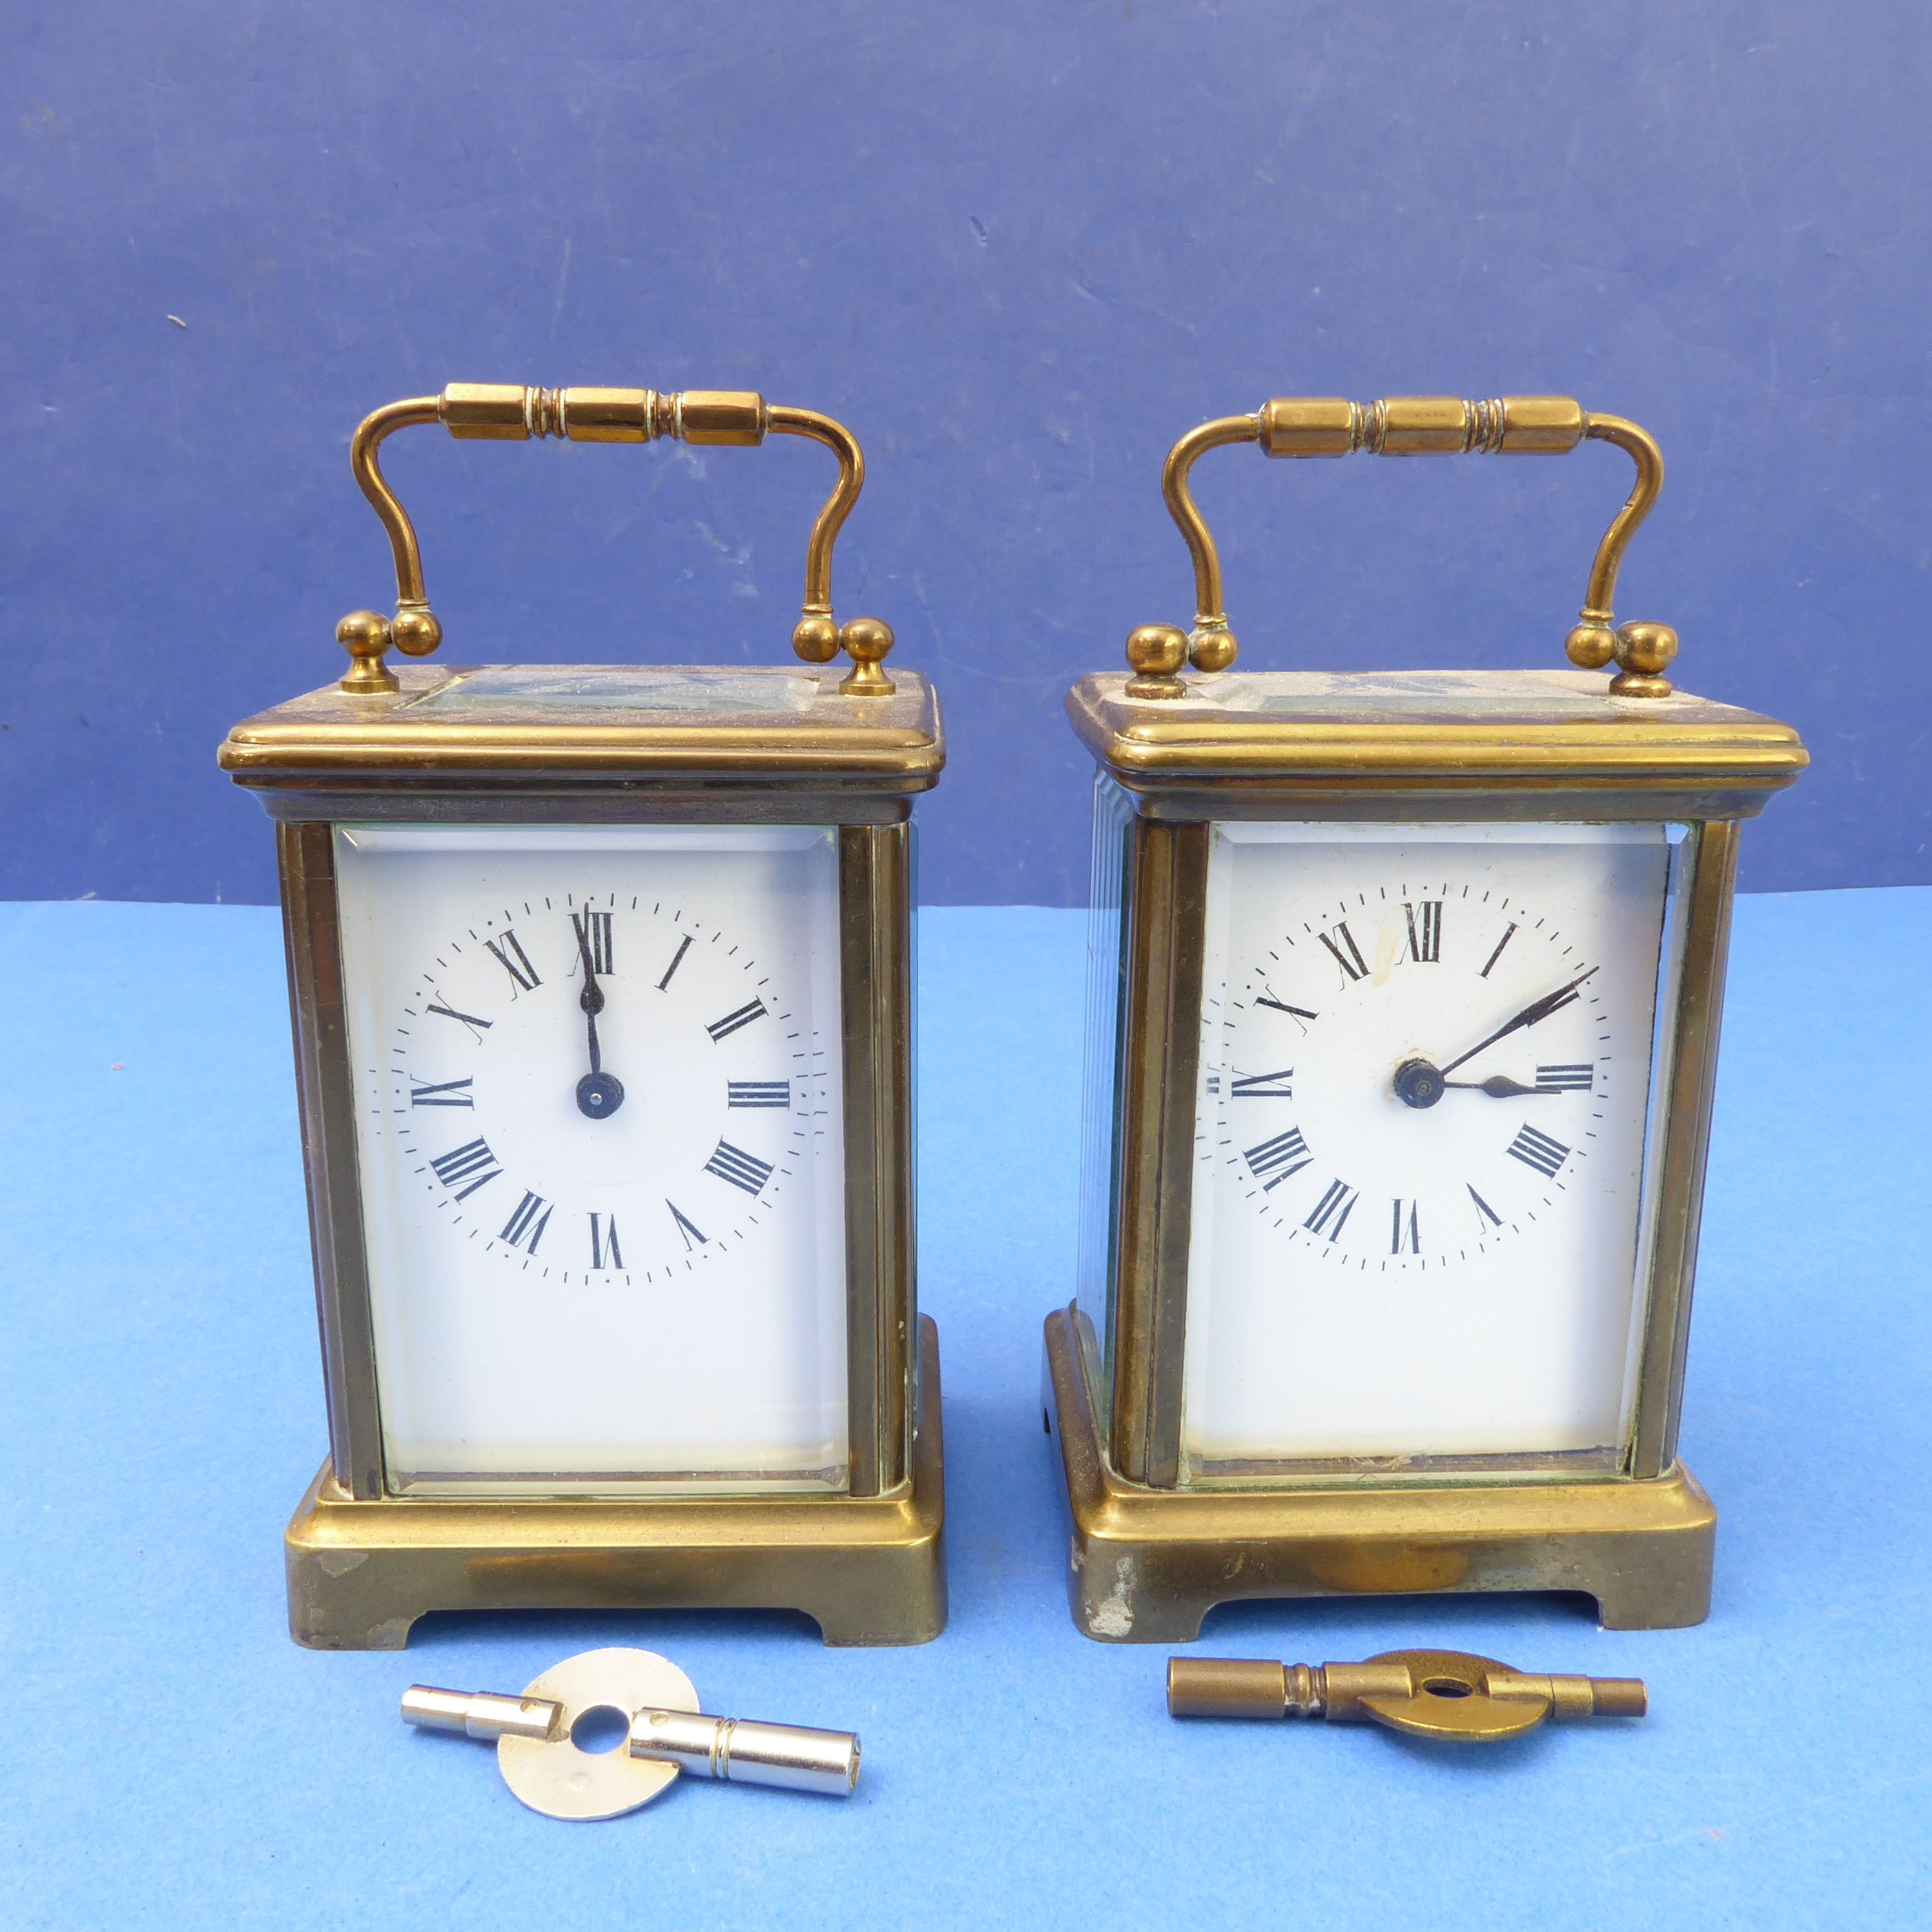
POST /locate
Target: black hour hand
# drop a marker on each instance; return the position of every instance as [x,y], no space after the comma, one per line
[1499,1086]
[599,1094]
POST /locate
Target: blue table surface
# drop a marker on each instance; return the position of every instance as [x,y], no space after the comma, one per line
[170,1758]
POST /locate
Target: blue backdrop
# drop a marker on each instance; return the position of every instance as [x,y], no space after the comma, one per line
[1019,248]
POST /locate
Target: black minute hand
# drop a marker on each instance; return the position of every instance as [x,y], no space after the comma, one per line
[1538,1009]
[599,1094]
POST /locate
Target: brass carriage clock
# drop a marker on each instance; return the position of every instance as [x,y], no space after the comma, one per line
[602,995]
[1402,1030]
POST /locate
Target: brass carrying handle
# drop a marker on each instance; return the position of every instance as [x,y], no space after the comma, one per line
[1413,426]
[509,412]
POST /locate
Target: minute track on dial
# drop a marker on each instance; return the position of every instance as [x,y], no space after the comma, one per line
[1399,962]
[708,1032]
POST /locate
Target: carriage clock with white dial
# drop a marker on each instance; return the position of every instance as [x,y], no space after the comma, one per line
[602,989]
[1401,1032]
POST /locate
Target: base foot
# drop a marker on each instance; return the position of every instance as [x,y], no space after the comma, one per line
[1145,1566]
[867,1570]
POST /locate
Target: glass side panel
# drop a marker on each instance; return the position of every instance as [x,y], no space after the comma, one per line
[578,687]
[913,1348]
[1662,1066]
[1100,1086]
[1427,1058]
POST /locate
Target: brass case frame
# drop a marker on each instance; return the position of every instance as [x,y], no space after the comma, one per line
[1145,1565]
[870,1569]
[1149,1557]
[868,1564]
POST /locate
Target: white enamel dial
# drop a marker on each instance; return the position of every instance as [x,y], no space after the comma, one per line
[1426,1059]
[600,1162]
[660,1162]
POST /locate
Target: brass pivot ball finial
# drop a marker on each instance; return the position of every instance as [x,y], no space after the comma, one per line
[365,635]
[1211,645]
[415,630]
[1642,652]
[815,637]
[866,640]
[1156,652]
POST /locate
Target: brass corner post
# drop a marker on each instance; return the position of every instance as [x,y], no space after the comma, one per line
[512,412]
[1420,426]
[875,903]
[1160,1059]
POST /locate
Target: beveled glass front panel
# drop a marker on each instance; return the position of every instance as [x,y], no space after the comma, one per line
[1392,1269]
[600,1141]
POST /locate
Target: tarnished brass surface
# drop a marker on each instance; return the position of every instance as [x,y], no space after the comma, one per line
[869,1569]
[326,1094]
[889,746]
[1302,426]
[1165,909]
[1686,1106]
[511,413]
[1418,745]
[1447,1694]
[1156,653]
[875,910]
[1145,1565]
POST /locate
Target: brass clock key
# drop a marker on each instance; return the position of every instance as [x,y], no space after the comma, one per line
[543,1765]
[1447,1694]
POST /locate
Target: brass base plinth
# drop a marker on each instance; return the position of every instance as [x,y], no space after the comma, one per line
[1146,1565]
[869,1570]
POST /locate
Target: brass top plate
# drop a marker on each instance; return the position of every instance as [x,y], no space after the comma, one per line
[1383,731]
[472,727]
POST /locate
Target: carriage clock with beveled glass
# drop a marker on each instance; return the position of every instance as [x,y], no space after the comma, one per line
[1403,1023]
[601,980]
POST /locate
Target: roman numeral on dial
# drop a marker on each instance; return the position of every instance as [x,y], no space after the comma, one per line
[1484,1210]
[593,936]
[605,1252]
[439,1093]
[1285,1154]
[676,961]
[520,968]
[1399,1236]
[1339,1201]
[740,1168]
[758,1093]
[1264,1086]
[468,1019]
[687,1227]
[1425,933]
[1295,1013]
[472,1162]
[1538,1150]
[1499,953]
[1566,1079]
[1348,954]
[524,1226]
[723,1029]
